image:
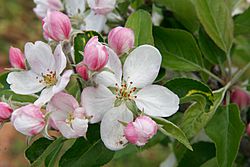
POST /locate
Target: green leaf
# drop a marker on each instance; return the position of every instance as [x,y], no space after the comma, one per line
[178,48]
[83,153]
[195,117]
[50,160]
[37,148]
[17,97]
[216,19]
[180,8]
[203,151]
[242,23]
[140,22]
[226,129]
[184,87]
[210,163]
[210,50]
[92,152]
[3,82]
[43,151]
[80,40]
[170,129]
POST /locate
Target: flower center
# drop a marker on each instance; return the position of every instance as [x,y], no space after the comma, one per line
[49,79]
[125,92]
[70,118]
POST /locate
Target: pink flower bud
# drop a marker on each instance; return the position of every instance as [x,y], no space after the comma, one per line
[95,54]
[29,120]
[102,7]
[240,97]
[57,26]
[82,70]
[121,39]
[5,111]
[141,130]
[16,58]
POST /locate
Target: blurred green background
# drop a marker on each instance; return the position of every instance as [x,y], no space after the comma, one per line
[18,25]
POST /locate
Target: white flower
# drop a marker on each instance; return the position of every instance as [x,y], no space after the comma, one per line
[44,74]
[139,72]
[90,19]
[42,6]
[68,117]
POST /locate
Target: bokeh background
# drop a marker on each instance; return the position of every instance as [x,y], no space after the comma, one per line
[18,25]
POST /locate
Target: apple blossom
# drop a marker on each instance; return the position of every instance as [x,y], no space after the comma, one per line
[121,39]
[102,6]
[57,26]
[29,120]
[95,54]
[42,6]
[69,118]
[139,72]
[16,58]
[84,20]
[44,74]
[5,111]
[141,130]
[82,70]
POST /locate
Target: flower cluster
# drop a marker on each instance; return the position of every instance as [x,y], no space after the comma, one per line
[120,95]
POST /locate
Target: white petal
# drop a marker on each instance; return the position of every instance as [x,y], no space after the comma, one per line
[95,22]
[80,126]
[108,78]
[63,81]
[112,131]
[157,100]
[66,130]
[74,7]
[45,96]
[60,59]
[24,82]
[142,66]
[97,101]
[39,57]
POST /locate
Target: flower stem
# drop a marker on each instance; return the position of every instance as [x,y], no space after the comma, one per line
[213,76]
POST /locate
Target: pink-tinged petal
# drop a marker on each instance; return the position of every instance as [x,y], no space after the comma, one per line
[121,40]
[29,120]
[142,66]
[97,101]
[112,130]
[57,26]
[24,82]
[40,57]
[95,54]
[157,100]
[95,22]
[110,78]
[64,102]
[60,59]
[16,58]
[5,111]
